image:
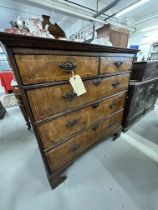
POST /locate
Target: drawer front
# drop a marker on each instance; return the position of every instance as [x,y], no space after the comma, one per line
[49,101]
[64,153]
[109,65]
[50,132]
[46,68]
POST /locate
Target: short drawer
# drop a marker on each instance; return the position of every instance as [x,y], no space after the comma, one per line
[46,68]
[109,65]
[65,153]
[48,101]
[50,132]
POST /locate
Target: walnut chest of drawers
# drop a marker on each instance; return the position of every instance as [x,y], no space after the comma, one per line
[66,125]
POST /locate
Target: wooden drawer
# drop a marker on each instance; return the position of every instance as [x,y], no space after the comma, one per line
[64,153]
[47,68]
[109,65]
[78,120]
[52,100]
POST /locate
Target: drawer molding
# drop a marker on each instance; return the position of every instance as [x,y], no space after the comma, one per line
[93,126]
[49,101]
[110,65]
[51,68]
[82,141]
[59,173]
[94,105]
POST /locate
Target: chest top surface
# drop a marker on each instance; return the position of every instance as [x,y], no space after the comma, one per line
[22,41]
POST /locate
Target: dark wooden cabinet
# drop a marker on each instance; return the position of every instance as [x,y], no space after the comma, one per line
[142,93]
[144,70]
[116,35]
[65,124]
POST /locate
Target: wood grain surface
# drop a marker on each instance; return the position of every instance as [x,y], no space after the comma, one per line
[57,130]
[48,101]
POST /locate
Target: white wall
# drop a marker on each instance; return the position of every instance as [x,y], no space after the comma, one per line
[145,39]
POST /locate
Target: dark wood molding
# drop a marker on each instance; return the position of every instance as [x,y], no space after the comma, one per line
[22,41]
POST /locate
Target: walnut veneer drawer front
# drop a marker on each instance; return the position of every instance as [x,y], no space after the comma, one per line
[50,132]
[73,147]
[52,100]
[46,68]
[110,65]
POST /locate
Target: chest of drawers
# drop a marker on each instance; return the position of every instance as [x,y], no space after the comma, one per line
[65,124]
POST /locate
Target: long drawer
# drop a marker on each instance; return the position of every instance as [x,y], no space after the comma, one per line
[64,153]
[110,65]
[50,132]
[48,101]
[47,68]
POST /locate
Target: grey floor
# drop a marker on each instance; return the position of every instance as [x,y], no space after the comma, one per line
[113,175]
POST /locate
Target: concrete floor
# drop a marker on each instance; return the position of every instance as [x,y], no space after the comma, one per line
[113,175]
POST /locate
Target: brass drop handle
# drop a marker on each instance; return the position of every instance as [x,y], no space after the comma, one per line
[115,84]
[97,82]
[110,126]
[71,123]
[113,104]
[70,96]
[95,105]
[95,127]
[74,147]
[118,63]
[68,66]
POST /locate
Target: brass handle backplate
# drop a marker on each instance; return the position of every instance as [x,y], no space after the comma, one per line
[113,104]
[110,126]
[118,63]
[115,84]
[71,123]
[74,147]
[68,66]
[70,96]
[97,82]
[95,126]
[95,105]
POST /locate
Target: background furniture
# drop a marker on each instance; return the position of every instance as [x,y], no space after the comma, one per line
[66,125]
[116,35]
[2,111]
[21,104]
[142,93]
[144,70]
[6,77]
